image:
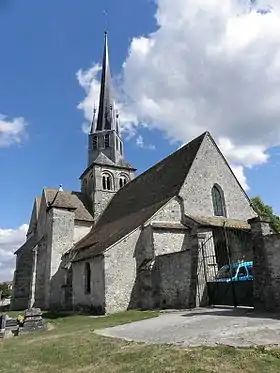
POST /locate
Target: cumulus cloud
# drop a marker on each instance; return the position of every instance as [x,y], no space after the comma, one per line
[141,144]
[10,241]
[210,65]
[239,173]
[11,130]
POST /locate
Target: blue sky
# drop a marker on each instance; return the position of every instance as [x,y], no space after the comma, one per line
[45,43]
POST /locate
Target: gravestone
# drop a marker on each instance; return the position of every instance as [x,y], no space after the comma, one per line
[33,321]
[2,326]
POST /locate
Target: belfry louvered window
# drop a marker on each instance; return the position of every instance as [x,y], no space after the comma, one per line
[122,181]
[107,182]
[218,200]
[107,140]
[95,142]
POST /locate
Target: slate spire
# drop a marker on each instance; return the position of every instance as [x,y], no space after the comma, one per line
[106,119]
[104,137]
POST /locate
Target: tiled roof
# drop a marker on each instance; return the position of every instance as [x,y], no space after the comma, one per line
[217,221]
[70,200]
[28,244]
[168,225]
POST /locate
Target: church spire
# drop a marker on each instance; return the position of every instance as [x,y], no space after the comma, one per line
[104,138]
[106,119]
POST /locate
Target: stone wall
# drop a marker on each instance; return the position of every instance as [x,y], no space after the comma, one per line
[22,279]
[171,212]
[170,241]
[81,230]
[174,281]
[95,300]
[61,237]
[42,261]
[120,273]
[209,168]
[130,280]
[266,251]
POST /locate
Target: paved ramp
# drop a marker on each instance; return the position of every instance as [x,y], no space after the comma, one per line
[203,327]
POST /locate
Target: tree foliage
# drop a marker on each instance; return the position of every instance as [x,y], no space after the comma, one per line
[264,210]
[5,291]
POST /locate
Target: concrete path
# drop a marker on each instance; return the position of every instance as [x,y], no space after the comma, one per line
[201,327]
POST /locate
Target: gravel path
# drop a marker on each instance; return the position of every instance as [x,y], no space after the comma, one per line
[203,327]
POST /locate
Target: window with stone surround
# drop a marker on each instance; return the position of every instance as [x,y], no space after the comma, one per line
[123,180]
[218,200]
[107,181]
[87,278]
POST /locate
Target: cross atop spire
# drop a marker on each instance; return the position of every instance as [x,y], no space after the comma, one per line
[106,119]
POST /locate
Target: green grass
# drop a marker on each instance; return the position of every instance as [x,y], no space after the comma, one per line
[72,346]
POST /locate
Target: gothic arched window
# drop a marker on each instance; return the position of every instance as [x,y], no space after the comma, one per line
[107,140]
[107,182]
[87,278]
[218,200]
[123,180]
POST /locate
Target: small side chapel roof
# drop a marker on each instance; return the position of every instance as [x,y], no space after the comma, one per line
[217,221]
[76,201]
[139,200]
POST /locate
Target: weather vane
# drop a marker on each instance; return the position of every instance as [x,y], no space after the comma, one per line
[105,13]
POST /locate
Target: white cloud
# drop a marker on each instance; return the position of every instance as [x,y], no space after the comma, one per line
[12,131]
[141,144]
[10,240]
[239,173]
[210,65]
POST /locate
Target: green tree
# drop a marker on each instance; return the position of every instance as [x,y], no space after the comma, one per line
[264,210]
[5,292]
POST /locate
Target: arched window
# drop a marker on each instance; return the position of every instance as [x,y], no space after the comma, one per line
[107,182]
[123,180]
[218,200]
[95,142]
[107,140]
[87,278]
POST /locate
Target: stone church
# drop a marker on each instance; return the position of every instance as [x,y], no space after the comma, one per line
[124,241]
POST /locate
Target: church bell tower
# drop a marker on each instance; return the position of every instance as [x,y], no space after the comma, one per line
[107,171]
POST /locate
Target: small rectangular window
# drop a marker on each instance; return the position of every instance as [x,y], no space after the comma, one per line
[87,278]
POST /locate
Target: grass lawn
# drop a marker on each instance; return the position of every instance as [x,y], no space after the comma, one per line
[72,346]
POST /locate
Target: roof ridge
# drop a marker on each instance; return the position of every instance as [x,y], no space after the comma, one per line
[63,191]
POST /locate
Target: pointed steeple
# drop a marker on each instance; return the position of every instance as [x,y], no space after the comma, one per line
[106,114]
